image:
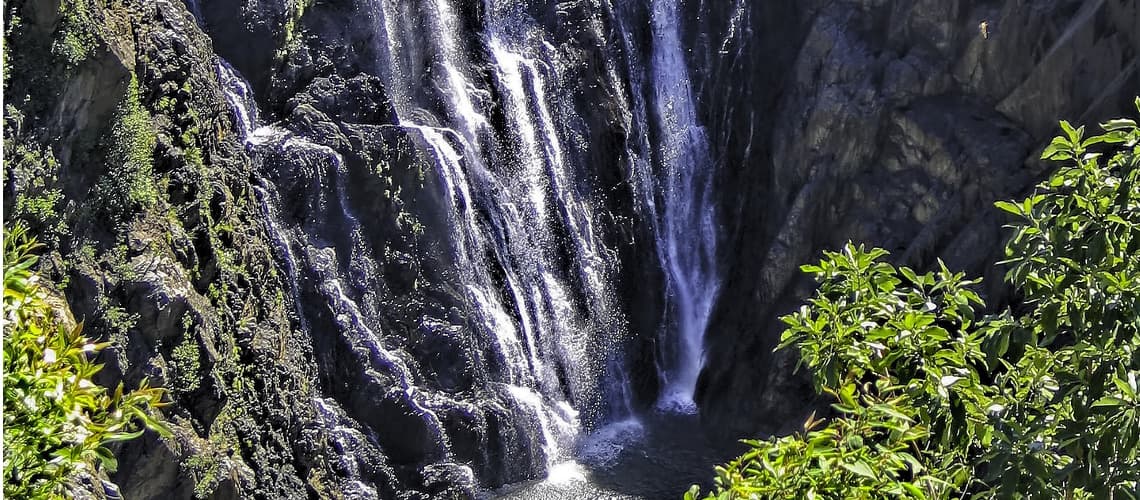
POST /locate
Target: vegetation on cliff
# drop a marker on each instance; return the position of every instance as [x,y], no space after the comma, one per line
[124,161]
[57,422]
[935,400]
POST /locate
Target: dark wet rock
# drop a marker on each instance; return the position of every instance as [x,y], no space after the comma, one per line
[444,346]
[190,288]
[406,436]
[451,481]
[247,34]
[357,99]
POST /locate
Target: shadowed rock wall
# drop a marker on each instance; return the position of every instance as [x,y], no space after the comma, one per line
[890,123]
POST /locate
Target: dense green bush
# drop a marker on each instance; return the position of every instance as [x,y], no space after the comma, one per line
[129,185]
[57,423]
[75,37]
[935,401]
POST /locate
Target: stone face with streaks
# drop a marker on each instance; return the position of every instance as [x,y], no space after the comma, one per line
[890,123]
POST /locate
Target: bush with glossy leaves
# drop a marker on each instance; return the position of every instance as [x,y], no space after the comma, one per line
[934,400]
[57,422]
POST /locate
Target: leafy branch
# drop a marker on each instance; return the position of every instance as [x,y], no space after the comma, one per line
[933,400]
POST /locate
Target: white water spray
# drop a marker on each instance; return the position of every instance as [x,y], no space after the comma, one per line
[687,228]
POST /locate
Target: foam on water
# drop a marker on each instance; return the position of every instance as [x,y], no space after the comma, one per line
[602,447]
[567,472]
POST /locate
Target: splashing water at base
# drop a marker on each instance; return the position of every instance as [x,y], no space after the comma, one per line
[657,456]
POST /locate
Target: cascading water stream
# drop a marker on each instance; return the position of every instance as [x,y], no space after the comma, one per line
[686,229]
[537,276]
[346,439]
[347,314]
[516,212]
[557,422]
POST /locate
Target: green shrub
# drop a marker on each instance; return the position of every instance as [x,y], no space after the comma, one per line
[186,366]
[936,402]
[129,185]
[75,37]
[34,173]
[56,421]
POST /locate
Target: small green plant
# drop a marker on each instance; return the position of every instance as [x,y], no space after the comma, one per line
[935,401]
[129,185]
[34,171]
[57,422]
[166,105]
[204,468]
[14,23]
[116,319]
[42,208]
[296,11]
[185,364]
[75,37]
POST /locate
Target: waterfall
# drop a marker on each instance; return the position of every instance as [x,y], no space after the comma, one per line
[686,229]
[672,176]
[331,281]
[516,210]
[346,440]
[489,113]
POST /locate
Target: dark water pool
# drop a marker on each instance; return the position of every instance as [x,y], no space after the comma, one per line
[655,457]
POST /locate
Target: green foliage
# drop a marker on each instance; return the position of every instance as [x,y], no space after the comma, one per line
[934,401]
[185,364]
[167,105]
[38,197]
[204,468]
[1075,255]
[901,354]
[75,36]
[116,319]
[129,184]
[56,421]
[14,23]
[290,29]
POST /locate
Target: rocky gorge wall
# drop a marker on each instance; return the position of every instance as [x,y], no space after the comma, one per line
[126,159]
[214,263]
[307,353]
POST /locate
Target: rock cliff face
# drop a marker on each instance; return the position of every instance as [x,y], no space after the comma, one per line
[283,256]
[294,286]
[126,158]
[891,123]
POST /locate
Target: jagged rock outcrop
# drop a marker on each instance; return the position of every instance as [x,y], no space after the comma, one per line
[891,123]
[125,157]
